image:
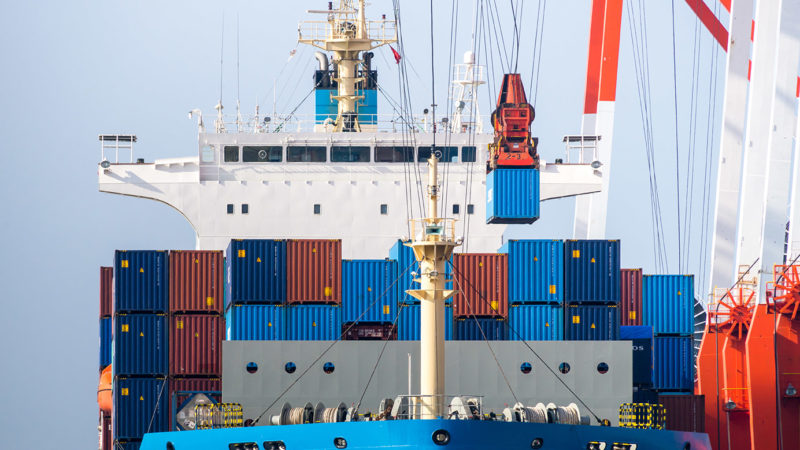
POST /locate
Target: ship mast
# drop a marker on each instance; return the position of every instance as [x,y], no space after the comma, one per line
[433,246]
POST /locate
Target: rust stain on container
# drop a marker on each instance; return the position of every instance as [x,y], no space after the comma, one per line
[630,306]
[106,291]
[196,281]
[314,271]
[482,282]
[195,345]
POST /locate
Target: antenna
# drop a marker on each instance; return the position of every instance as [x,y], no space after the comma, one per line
[219,124]
[238,110]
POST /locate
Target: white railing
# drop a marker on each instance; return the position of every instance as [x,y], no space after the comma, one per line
[344,27]
[581,149]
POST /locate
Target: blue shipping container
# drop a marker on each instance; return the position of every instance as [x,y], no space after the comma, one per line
[535,271]
[591,323]
[674,365]
[642,341]
[512,196]
[105,342]
[668,303]
[141,281]
[314,322]
[591,271]
[140,406]
[406,263]
[141,344]
[255,323]
[369,287]
[536,322]
[255,271]
[408,325]
[474,329]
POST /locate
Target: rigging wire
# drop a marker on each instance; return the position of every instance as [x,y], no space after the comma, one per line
[677,148]
[448,130]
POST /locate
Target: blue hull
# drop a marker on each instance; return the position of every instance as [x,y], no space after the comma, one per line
[464,434]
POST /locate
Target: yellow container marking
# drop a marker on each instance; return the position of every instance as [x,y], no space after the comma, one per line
[386,309]
[547,324]
[141,398]
[141,334]
[592,260]
[196,334]
[124,264]
[258,260]
[123,391]
[592,326]
[632,315]
[124,327]
[179,324]
[494,305]
[328,291]
[313,250]
[269,324]
[241,253]
[369,288]
[141,269]
[576,319]
[210,301]
[196,261]
[552,288]
[313,324]
[576,253]
[535,258]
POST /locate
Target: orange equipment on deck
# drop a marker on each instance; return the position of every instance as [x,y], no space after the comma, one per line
[104,397]
[513,145]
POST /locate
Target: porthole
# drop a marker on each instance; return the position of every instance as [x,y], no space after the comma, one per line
[563,367]
[537,443]
[251,367]
[339,442]
[525,367]
[290,367]
[602,368]
[328,367]
[274,445]
[441,437]
[170,446]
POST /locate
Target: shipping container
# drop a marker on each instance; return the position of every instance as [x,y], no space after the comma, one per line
[408,324]
[536,322]
[591,323]
[106,437]
[630,304]
[482,282]
[478,329]
[106,327]
[140,406]
[127,444]
[668,304]
[591,271]
[255,323]
[181,390]
[369,290]
[674,367]
[685,412]
[255,271]
[140,344]
[314,322]
[141,281]
[641,338]
[406,265]
[535,271]
[369,331]
[195,345]
[512,195]
[106,291]
[314,271]
[196,281]
[643,394]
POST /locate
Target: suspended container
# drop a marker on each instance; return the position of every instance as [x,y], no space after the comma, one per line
[668,304]
[140,281]
[535,271]
[641,338]
[591,271]
[482,280]
[196,281]
[406,265]
[314,271]
[255,323]
[140,406]
[369,331]
[630,304]
[255,272]
[409,322]
[314,322]
[181,390]
[106,292]
[106,327]
[481,328]
[536,322]
[512,196]
[140,344]
[195,345]
[674,367]
[685,412]
[369,290]
[591,323]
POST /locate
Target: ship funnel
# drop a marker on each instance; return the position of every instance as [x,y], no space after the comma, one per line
[323,60]
[368,61]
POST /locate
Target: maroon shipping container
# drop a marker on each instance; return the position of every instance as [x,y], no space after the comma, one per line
[630,305]
[195,345]
[106,291]
[196,281]
[482,282]
[205,385]
[314,271]
[105,436]
[369,332]
[685,412]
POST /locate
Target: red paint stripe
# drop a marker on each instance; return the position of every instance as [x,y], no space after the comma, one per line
[749,68]
[595,54]
[752,30]
[710,21]
[608,69]
[798,88]
[726,4]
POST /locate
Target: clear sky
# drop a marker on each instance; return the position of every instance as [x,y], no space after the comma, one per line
[73,70]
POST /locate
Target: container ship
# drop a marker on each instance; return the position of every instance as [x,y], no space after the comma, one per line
[342,295]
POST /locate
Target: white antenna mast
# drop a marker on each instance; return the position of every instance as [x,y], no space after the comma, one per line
[219,125]
[238,106]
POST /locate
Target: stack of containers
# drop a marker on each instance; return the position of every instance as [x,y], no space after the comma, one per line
[668,308]
[480,306]
[141,356]
[591,290]
[370,295]
[641,338]
[255,290]
[535,289]
[106,341]
[196,290]
[685,412]
[314,289]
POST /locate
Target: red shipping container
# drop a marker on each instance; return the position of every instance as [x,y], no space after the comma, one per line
[482,282]
[105,433]
[369,332]
[314,271]
[630,305]
[195,345]
[205,385]
[196,281]
[106,291]
[685,412]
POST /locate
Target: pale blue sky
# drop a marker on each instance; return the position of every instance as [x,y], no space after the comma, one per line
[72,70]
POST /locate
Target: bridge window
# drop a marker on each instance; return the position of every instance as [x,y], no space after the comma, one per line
[394,154]
[207,154]
[306,154]
[384,209]
[468,154]
[262,153]
[446,154]
[245,208]
[470,209]
[456,209]
[317,209]
[230,208]
[349,154]
[231,153]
